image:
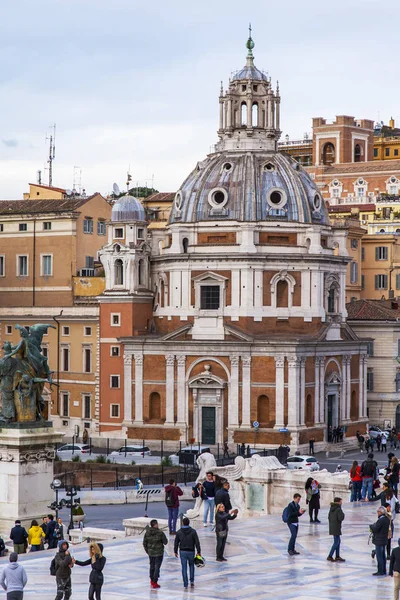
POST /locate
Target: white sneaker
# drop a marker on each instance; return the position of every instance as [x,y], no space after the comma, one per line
[204,524]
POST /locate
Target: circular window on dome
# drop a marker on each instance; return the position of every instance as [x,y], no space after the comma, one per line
[277,198]
[317,202]
[218,197]
[360,181]
[393,179]
[269,167]
[227,166]
[178,200]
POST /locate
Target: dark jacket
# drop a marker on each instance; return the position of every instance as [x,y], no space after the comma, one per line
[187,540]
[222,497]
[395,561]
[59,529]
[18,534]
[63,562]
[208,489]
[380,531]
[368,468]
[221,520]
[176,490]
[51,525]
[96,574]
[154,541]
[294,512]
[394,474]
[335,518]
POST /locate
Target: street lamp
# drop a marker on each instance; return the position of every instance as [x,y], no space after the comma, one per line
[71,491]
[55,486]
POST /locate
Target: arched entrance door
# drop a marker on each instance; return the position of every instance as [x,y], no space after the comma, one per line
[332,403]
[208,402]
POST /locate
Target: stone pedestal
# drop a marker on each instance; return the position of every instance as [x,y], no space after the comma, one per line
[27,453]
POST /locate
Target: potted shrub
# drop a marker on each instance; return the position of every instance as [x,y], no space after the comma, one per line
[78,514]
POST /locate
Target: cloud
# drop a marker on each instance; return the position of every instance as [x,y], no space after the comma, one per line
[12,143]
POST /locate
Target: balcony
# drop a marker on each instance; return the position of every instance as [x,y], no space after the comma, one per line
[388,198]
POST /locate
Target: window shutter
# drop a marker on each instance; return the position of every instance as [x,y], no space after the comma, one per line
[377,253]
[385,282]
[371,387]
[377,282]
[398,281]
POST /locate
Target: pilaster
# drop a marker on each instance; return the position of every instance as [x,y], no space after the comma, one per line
[293,392]
[233,403]
[246,390]
[138,389]
[279,391]
[169,389]
[183,418]
[128,388]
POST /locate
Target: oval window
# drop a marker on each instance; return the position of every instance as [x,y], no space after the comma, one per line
[269,167]
[227,167]
[218,197]
[178,200]
[277,198]
[317,202]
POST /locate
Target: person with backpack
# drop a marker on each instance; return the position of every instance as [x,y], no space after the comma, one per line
[98,562]
[61,566]
[35,536]
[153,542]
[14,578]
[335,519]
[51,535]
[368,475]
[19,537]
[187,542]
[291,516]
[172,493]
[208,496]
[380,533]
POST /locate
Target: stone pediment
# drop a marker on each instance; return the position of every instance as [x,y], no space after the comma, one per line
[173,335]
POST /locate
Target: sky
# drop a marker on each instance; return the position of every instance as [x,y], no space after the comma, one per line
[134,85]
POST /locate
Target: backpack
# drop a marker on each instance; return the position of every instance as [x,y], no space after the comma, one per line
[170,498]
[53,569]
[195,492]
[368,469]
[286,514]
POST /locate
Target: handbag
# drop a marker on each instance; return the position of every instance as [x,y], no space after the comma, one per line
[223,533]
[350,485]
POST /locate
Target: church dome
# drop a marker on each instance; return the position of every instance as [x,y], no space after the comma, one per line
[249,186]
[250,72]
[128,208]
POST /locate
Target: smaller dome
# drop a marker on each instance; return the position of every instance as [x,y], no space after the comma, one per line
[250,72]
[128,208]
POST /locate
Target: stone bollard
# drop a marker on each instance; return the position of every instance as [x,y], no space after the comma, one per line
[327,454]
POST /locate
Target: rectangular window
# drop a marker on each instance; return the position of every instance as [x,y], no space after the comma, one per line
[140,234]
[375,152]
[47,225]
[65,405]
[363,282]
[381,253]
[65,359]
[370,380]
[387,151]
[362,253]
[89,262]
[114,410]
[65,330]
[114,381]
[45,351]
[335,192]
[87,360]
[396,151]
[114,350]
[1,227]
[398,381]
[115,319]
[22,265]
[354,243]
[381,282]
[86,406]
[8,329]
[360,192]
[47,265]
[353,272]
[209,297]
[101,228]
[88,225]
[370,348]
[87,330]
[2,265]
[118,233]
[23,227]
[398,283]
[393,190]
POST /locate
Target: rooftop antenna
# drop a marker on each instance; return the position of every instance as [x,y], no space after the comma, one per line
[52,153]
[77,182]
[116,189]
[128,179]
[39,177]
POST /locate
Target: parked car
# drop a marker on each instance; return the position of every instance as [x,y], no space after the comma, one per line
[308,463]
[188,455]
[374,431]
[132,451]
[73,449]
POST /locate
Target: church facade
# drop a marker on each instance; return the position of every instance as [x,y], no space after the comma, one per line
[235,313]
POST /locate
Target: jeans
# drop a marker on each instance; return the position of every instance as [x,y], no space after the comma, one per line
[367,487]
[294,529]
[95,588]
[35,548]
[335,546]
[64,588]
[155,565]
[209,506]
[187,558]
[381,559]
[15,595]
[221,541]
[356,491]
[172,518]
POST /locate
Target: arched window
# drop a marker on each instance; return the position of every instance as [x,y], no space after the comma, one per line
[154,406]
[243,114]
[353,406]
[332,299]
[282,294]
[309,410]
[185,245]
[263,411]
[328,154]
[118,272]
[141,268]
[357,153]
[254,114]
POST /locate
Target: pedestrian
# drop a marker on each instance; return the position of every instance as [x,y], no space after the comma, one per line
[312,488]
[153,542]
[139,484]
[242,449]
[35,536]
[63,563]
[226,450]
[13,578]
[335,519]
[208,495]
[380,531]
[341,433]
[19,537]
[384,443]
[85,436]
[394,569]
[3,549]
[222,496]
[294,512]
[393,476]
[334,435]
[222,516]
[187,542]
[330,434]
[248,452]
[368,475]
[378,442]
[356,482]
[97,561]
[51,536]
[388,506]
[172,493]
[59,529]
[311,446]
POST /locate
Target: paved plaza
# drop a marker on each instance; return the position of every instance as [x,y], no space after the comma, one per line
[258,566]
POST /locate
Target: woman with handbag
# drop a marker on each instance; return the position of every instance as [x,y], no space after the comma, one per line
[355,482]
[221,528]
[312,488]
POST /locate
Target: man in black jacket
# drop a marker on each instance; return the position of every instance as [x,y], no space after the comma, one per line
[19,537]
[394,569]
[380,531]
[51,537]
[293,522]
[222,496]
[187,541]
[368,474]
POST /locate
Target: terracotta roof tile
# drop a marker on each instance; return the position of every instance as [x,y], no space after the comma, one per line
[373,310]
[364,167]
[26,207]
[160,197]
[347,207]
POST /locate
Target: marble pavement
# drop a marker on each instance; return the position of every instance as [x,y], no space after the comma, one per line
[258,566]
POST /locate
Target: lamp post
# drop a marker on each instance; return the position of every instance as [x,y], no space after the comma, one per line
[55,486]
[71,491]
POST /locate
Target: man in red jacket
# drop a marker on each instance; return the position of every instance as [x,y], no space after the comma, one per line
[172,493]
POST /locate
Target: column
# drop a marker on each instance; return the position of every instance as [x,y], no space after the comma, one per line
[183,420]
[246,390]
[293,392]
[249,113]
[138,389]
[278,115]
[361,387]
[268,116]
[343,390]
[128,388]
[322,389]
[348,382]
[279,391]
[316,391]
[169,389]
[233,402]
[302,390]
[365,386]
[229,119]
[221,114]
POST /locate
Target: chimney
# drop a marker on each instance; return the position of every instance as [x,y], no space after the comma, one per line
[395,305]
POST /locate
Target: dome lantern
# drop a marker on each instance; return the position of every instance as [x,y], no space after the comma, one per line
[128,208]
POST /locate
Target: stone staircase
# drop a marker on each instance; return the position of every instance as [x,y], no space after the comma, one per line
[345,446]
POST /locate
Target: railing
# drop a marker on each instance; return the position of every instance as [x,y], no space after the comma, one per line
[304,142]
[388,198]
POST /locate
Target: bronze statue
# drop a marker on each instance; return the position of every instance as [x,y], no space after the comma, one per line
[23,373]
